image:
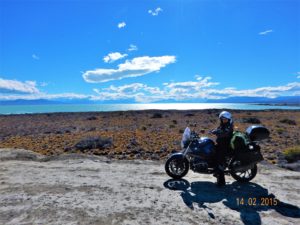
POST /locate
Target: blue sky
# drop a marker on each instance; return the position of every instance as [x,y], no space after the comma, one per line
[149,51]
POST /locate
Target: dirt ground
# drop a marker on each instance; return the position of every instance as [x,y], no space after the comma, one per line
[82,189]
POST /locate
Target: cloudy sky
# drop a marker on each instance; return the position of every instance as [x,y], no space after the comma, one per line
[149,50]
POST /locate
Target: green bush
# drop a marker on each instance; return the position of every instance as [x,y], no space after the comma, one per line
[171,126]
[280,130]
[292,154]
[288,121]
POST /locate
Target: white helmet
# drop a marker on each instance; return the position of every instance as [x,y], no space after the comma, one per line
[226,115]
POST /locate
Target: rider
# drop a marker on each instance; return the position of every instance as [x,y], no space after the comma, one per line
[224,134]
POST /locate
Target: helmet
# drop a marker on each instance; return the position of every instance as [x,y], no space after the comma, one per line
[226,115]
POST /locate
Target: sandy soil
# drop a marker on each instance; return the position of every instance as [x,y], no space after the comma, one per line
[81,189]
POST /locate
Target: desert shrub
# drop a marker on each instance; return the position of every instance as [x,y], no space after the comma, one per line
[156,115]
[92,118]
[174,121]
[280,130]
[213,120]
[288,121]
[94,143]
[292,154]
[189,114]
[171,126]
[212,111]
[252,120]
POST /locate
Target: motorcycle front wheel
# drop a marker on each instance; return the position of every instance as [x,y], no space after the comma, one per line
[177,166]
[244,176]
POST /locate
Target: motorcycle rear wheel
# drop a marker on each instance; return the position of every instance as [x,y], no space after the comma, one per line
[177,166]
[245,176]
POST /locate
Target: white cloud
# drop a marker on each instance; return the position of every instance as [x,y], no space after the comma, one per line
[17,87]
[131,68]
[128,88]
[64,96]
[195,85]
[199,88]
[111,57]
[298,73]
[132,48]
[190,90]
[265,32]
[34,56]
[13,90]
[269,92]
[140,92]
[106,95]
[121,25]
[155,12]
[44,96]
[144,93]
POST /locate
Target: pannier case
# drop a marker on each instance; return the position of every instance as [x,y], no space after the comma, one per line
[257,133]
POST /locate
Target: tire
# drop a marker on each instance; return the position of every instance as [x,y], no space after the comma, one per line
[241,176]
[177,166]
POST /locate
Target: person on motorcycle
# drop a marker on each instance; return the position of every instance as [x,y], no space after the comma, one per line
[224,134]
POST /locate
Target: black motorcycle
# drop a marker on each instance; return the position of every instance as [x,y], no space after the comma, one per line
[198,154]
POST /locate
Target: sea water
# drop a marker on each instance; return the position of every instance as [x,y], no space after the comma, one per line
[22,109]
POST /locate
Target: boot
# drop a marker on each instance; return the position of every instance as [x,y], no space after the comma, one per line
[218,169]
[221,179]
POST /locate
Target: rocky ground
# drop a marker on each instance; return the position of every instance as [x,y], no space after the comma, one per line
[82,189]
[149,134]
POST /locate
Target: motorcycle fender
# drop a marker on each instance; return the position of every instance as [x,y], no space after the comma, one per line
[177,154]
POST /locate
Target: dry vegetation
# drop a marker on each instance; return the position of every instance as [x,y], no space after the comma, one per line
[147,134]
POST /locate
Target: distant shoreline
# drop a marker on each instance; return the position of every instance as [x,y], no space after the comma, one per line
[278,104]
[153,111]
[70,108]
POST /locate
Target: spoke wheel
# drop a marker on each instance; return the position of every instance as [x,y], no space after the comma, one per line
[244,176]
[177,166]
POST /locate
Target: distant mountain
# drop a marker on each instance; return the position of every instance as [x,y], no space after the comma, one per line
[28,102]
[288,100]
[261,100]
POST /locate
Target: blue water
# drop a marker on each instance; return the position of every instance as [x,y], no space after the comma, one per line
[21,109]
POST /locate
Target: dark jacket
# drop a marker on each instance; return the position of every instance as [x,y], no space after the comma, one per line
[225,131]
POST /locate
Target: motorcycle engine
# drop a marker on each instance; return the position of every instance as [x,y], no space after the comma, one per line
[199,165]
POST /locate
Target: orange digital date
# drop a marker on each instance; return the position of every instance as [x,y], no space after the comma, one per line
[262,201]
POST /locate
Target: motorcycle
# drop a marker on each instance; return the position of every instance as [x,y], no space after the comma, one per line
[198,154]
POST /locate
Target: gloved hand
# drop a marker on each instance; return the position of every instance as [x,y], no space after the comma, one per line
[215,131]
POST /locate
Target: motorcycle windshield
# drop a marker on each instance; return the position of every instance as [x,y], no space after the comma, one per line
[185,137]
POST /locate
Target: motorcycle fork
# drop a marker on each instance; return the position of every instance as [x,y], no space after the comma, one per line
[186,151]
